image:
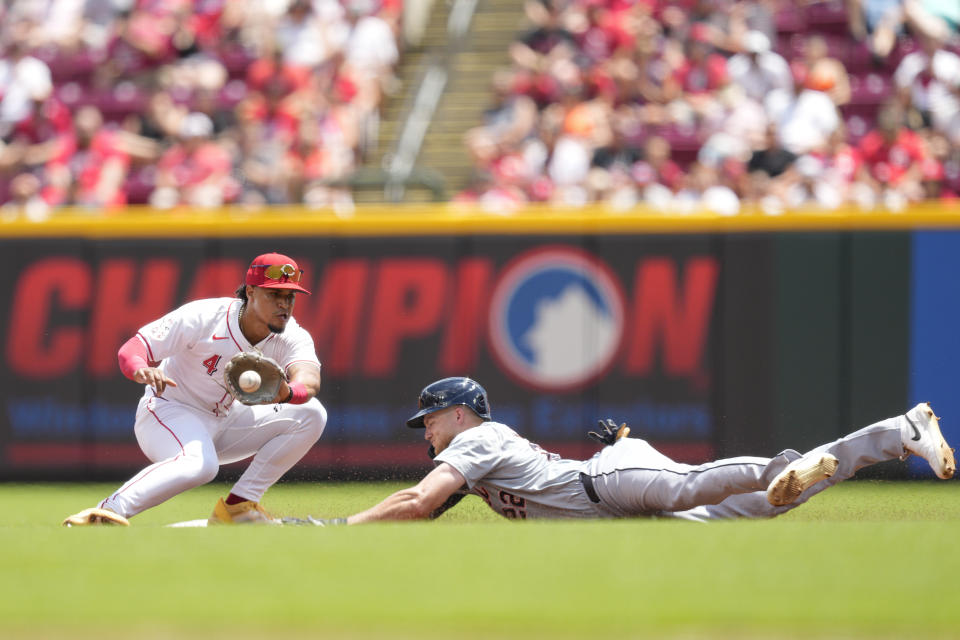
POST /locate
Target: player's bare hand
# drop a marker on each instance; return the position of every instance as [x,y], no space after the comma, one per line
[282,393]
[608,432]
[155,378]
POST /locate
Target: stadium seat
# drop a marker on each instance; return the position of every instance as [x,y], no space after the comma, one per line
[857,127]
[790,19]
[139,185]
[870,88]
[68,67]
[685,143]
[857,57]
[236,60]
[71,94]
[231,94]
[951,176]
[826,17]
[120,101]
[790,45]
[903,47]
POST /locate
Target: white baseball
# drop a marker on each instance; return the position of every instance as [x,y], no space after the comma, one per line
[249,381]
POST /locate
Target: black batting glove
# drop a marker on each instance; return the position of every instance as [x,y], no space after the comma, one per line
[449,503]
[608,432]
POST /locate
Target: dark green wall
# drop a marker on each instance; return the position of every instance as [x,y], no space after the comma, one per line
[814,337]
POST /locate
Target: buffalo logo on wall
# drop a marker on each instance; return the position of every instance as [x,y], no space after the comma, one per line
[556,318]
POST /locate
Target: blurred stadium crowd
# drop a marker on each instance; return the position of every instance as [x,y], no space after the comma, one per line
[105,103]
[679,105]
[720,103]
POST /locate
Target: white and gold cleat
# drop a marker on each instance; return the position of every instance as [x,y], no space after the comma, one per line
[95,516]
[246,512]
[922,437]
[800,475]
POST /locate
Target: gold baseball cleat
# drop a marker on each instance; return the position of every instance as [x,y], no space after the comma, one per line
[95,516]
[800,475]
[245,512]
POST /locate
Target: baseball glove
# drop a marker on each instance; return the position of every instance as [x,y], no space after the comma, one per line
[271,375]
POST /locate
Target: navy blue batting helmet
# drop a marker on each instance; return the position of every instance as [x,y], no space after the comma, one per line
[450,392]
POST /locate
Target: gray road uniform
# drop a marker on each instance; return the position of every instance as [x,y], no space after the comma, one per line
[519,479]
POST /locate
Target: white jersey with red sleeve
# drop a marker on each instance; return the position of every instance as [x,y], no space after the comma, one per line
[516,477]
[194,343]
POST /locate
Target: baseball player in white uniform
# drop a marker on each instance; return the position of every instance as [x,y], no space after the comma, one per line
[187,422]
[518,479]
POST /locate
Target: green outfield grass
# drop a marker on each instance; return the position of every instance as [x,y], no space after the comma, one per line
[865,559]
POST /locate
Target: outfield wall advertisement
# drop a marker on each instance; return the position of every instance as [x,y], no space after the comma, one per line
[561,330]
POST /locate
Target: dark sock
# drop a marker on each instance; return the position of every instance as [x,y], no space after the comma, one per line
[234,499]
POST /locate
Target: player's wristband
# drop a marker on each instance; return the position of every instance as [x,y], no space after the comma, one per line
[132,357]
[298,393]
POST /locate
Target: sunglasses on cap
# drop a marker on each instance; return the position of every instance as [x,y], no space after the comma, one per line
[278,271]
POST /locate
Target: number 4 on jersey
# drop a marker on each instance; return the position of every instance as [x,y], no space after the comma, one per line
[211,364]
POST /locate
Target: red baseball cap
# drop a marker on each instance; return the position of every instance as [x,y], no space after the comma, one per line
[275,271]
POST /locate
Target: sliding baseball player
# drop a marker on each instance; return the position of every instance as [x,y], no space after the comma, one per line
[628,478]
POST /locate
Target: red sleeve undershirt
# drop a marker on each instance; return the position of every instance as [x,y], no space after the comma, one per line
[133,356]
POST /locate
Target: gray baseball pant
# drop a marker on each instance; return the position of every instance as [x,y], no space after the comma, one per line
[631,478]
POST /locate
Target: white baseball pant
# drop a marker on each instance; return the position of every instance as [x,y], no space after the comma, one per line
[187,447]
